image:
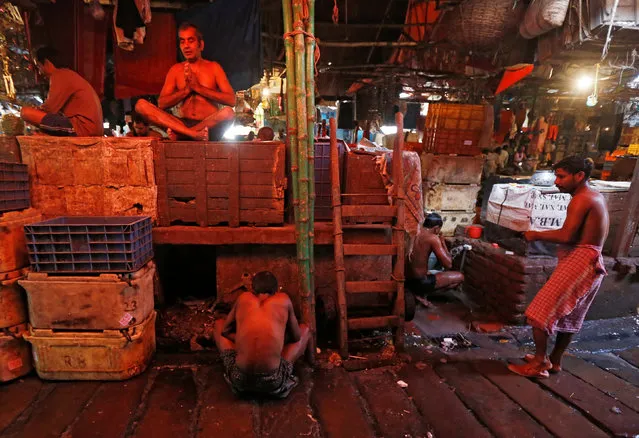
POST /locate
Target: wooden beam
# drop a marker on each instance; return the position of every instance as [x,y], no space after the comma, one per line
[330,24]
[360,44]
[192,235]
[373,322]
[628,226]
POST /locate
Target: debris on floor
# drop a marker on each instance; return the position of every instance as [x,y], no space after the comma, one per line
[450,343]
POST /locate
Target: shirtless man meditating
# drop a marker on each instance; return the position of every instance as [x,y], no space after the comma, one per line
[198,88]
[429,240]
[561,305]
[252,340]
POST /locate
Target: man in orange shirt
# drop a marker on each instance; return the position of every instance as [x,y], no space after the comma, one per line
[72,106]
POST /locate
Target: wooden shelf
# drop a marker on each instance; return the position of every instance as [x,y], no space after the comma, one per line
[192,235]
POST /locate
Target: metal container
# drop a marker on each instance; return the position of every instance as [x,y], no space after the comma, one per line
[543,178]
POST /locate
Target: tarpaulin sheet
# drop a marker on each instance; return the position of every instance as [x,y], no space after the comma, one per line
[232,37]
[144,70]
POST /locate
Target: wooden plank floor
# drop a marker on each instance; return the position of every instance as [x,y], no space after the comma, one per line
[594,396]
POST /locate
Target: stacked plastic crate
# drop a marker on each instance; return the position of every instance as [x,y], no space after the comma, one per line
[450,186]
[15,353]
[90,297]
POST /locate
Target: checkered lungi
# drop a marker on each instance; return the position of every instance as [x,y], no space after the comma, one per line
[562,304]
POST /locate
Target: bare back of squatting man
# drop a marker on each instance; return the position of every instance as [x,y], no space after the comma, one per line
[200,91]
[561,305]
[260,340]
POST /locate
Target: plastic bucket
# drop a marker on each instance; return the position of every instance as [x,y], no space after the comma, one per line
[474,231]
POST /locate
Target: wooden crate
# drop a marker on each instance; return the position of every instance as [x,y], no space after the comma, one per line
[626,15]
[363,185]
[454,128]
[91,176]
[217,183]
[9,149]
[451,169]
[458,197]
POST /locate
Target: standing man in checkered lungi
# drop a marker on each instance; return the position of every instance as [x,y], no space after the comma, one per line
[561,305]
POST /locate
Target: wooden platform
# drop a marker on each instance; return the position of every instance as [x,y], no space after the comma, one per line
[284,235]
[186,396]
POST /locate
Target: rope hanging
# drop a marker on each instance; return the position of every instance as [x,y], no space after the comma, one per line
[299,30]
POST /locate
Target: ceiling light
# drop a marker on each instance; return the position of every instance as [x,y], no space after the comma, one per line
[584,82]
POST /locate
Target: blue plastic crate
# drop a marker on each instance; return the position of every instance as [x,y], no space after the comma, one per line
[14,187]
[97,244]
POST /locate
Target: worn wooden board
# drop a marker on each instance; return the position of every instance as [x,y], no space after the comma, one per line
[597,405]
[504,417]
[338,406]
[559,418]
[112,409]
[362,182]
[53,414]
[452,169]
[606,382]
[438,404]
[458,197]
[208,183]
[614,365]
[16,397]
[394,414]
[222,413]
[170,406]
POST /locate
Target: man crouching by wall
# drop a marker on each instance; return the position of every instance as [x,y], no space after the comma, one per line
[252,341]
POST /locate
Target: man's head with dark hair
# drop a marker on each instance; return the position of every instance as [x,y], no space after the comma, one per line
[137,118]
[191,41]
[140,125]
[47,60]
[433,222]
[264,283]
[498,150]
[187,25]
[572,172]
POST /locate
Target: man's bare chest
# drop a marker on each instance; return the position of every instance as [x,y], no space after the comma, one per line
[199,75]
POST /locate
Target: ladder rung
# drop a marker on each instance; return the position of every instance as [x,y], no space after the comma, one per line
[359,287]
[369,211]
[370,250]
[373,322]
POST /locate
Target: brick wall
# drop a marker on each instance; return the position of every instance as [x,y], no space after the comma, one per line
[505,284]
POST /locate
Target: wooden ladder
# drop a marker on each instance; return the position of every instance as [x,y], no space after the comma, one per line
[392,217]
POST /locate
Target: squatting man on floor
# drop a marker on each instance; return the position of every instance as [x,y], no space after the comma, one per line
[260,340]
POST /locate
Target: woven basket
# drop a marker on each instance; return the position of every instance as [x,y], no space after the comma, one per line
[483,24]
